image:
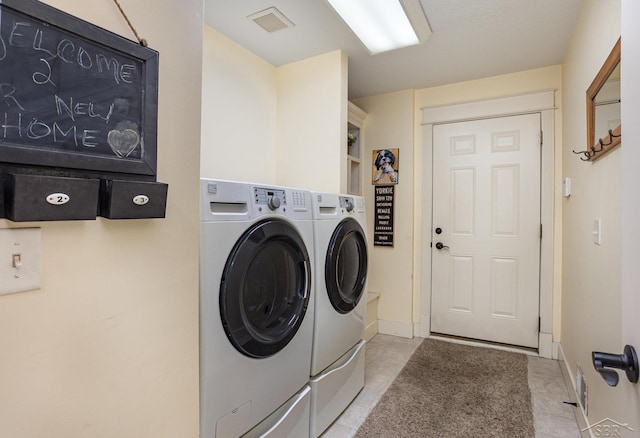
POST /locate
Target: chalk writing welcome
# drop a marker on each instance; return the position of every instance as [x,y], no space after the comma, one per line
[61,91]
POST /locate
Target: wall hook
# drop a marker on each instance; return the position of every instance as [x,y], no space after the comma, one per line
[587,154]
[604,144]
[593,148]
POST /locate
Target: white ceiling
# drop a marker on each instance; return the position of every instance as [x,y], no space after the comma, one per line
[471,39]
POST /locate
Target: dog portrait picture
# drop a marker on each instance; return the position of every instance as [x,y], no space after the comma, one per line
[385,166]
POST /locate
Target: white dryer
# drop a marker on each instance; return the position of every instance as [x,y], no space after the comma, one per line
[337,360]
[256,310]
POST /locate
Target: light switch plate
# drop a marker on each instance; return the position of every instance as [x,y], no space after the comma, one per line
[20,260]
[597,231]
[566,187]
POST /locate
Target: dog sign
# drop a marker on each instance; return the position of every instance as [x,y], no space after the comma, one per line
[385,166]
[383,216]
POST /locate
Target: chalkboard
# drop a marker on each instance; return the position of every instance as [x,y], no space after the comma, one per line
[73,95]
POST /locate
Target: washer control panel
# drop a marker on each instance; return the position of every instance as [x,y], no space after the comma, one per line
[272,198]
[299,200]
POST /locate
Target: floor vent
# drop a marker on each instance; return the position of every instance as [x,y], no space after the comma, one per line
[271,20]
[581,389]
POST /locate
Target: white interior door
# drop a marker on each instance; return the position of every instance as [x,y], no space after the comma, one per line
[486,216]
[630,393]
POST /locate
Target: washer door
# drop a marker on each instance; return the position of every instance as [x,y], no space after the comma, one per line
[265,288]
[345,267]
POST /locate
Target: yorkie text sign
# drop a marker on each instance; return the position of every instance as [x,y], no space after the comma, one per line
[383,216]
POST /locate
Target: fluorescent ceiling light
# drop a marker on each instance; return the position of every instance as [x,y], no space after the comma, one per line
[384,25]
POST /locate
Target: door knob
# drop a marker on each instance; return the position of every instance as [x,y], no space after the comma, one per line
[440,245]
[627,361]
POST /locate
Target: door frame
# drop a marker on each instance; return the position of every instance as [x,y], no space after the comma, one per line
[542,103]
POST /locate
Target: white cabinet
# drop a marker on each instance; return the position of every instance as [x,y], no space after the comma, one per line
[355,146]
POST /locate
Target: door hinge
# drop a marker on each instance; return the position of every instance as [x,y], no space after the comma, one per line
[539,324]
[541,137]
[540,231]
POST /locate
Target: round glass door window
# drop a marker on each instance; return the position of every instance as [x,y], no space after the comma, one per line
[265,288]
[346,266]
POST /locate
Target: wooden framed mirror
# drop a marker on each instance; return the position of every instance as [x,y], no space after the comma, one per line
[604,131]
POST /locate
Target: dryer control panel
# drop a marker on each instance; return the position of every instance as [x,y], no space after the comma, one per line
[352,205]
[346,203]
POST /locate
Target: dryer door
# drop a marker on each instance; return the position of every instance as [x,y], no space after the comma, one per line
[346,266]
[265,288]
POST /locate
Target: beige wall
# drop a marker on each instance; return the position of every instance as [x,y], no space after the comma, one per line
[109,345]
[238,112]
[312,123]
[591,274]
[275,125]
[395,119]
[389,124]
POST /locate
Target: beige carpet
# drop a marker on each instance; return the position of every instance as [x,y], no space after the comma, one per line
[453,390]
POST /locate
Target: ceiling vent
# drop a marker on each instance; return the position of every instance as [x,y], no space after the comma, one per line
[271,20]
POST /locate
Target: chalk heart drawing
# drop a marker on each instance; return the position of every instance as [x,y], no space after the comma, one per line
[123,143]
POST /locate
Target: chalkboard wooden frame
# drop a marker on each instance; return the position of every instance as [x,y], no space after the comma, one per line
[74,33]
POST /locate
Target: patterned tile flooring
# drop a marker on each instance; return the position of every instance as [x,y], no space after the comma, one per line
[386,355]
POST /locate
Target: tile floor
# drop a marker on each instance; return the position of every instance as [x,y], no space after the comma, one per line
[386,355]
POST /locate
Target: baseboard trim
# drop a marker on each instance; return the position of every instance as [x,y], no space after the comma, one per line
[417,330]
[569,381]
[395,328]
[545,345]
[371,330]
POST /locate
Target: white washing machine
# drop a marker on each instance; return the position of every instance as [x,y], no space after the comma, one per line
[256,310]
[337,359]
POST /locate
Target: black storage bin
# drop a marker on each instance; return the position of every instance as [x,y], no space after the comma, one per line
[48,198]
[132,199]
